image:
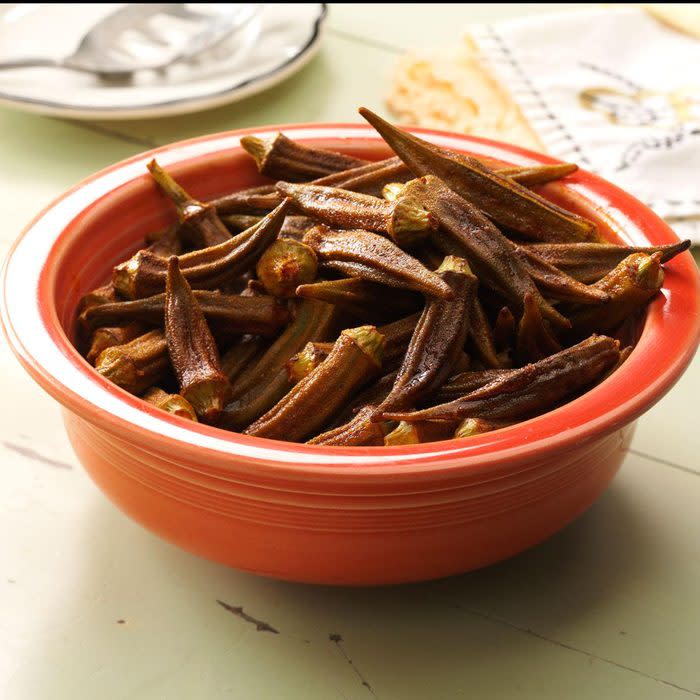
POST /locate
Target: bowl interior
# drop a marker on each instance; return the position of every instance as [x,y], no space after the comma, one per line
[110,213]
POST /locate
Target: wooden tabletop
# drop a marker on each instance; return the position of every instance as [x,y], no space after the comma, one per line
[93,606]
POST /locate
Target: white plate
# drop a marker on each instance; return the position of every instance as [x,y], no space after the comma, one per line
[278,43]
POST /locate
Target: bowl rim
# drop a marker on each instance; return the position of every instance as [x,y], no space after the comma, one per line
[668,342]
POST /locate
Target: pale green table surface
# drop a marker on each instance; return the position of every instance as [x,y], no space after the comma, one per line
[92,606]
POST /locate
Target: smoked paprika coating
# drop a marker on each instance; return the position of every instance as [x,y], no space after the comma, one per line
[356,358]
[289,371]
[193,353]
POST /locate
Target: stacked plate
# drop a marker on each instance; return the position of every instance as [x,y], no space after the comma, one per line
[277,41]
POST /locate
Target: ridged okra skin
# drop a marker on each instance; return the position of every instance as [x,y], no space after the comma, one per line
[137,365]
[283,158]
[630,285]
[193,352]
[506,202]
[529,390]
[170,403]
[356,358]
[374,258]
[437,341]
[199,220]
[144,274]
[263,383]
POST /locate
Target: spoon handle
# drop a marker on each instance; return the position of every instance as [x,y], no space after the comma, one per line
[42,63]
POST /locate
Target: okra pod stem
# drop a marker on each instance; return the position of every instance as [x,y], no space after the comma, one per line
[108,337]
[476,426]
[590,262]
[360,430]
[374,258]
[285,265]
[200,220]
[419,432]
[137,365]
[630,285]
[171,403]
[284,159]
[193,352]
[306,361]
[144,274]
[404,220]
[504,200]
[355,359]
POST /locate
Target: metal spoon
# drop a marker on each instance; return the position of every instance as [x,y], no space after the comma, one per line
[149,37]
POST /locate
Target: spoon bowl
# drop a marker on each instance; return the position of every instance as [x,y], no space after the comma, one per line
[149,36]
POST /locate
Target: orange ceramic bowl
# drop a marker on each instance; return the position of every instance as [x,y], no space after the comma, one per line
[317,514]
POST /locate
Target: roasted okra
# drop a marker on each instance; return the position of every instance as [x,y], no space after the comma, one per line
[344,302]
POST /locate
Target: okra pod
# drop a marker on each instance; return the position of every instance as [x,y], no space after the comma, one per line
[144,274]
[374,258]
[199,220]
[504,330]
[245,352]
[590,262]
[306,361]
[232,313]
[355,359]
[136,365]
[476,426]
[464,383]
[360,296]
[630,285]
[366,178]
[556,284]
[529,175]
[482,336]
[534,339]
[487,249]
[193,352]
[282,158]
[108,337]
[505,201]
[168,244]
[360,430]
[373,395]
[171,403]
[397,336]
[105,294]
[404,220]
[529,390]
[285,265]
[264,383]
[437,340]
[293,226]
[406,433]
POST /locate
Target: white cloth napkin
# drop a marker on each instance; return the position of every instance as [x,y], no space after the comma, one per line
[614,90]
